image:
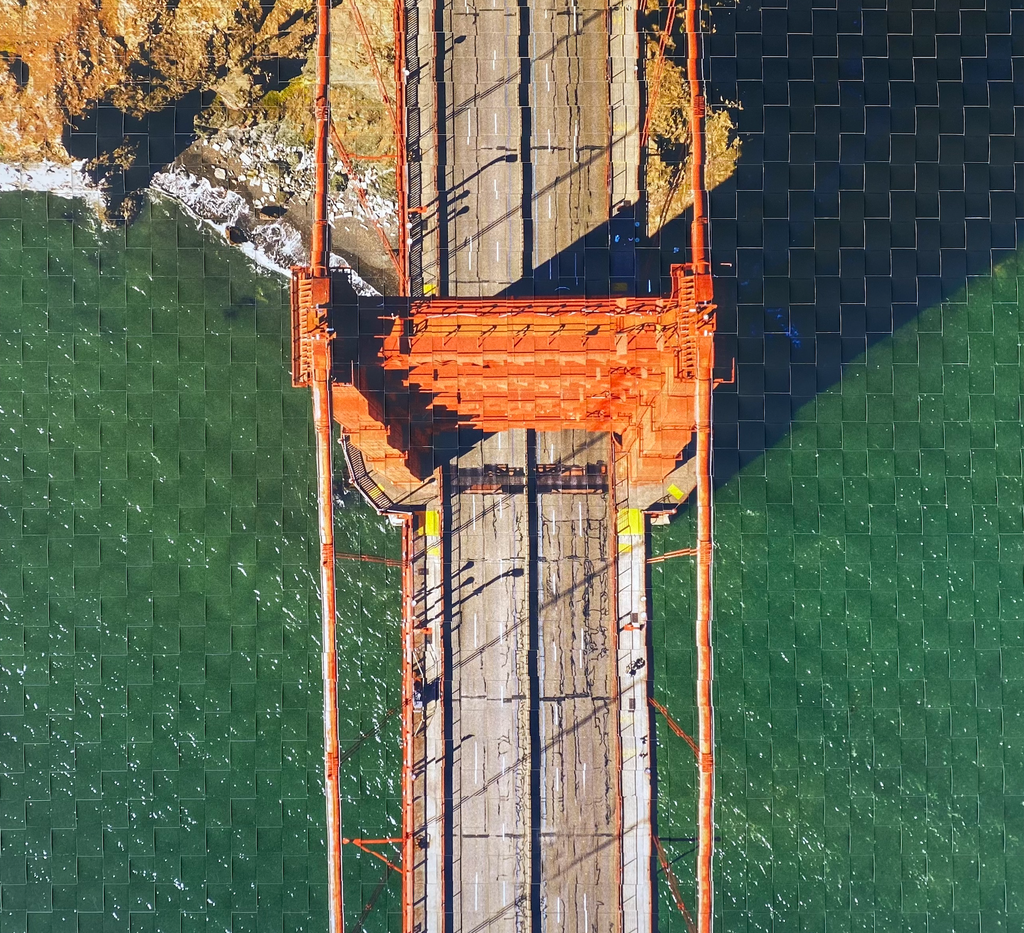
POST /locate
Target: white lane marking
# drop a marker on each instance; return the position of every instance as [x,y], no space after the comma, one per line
[586,914]
[554,652]
[558,911]
[576,141]
[549,207]
[471,254]
[494,60]
[584,783]
[469,124]
[495,124]
[549,142]
[579,505]
[495,189]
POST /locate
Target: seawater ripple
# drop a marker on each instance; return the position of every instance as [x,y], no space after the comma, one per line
[160,694]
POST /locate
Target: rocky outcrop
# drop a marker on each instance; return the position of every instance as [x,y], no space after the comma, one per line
[136,57]
[126,94]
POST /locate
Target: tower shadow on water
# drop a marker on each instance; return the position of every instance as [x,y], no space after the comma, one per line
[879,171]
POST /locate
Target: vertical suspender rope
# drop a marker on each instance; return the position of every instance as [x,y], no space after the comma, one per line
[320,340]
[408,737]
[702,392]
[332,785]
[705,711]
[319,259]
[698,229]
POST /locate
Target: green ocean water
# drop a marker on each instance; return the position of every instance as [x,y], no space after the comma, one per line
[160,698]
[160,687]
[869,635]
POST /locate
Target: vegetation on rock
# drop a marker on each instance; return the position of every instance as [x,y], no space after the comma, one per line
[138,56]
[667,162]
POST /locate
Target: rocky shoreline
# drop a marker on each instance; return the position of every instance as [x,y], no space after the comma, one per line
[272,244]
[208,102]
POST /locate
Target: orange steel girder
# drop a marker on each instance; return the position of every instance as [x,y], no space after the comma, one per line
[620,365]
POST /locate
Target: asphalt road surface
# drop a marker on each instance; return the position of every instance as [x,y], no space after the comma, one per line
[532,826]
[510,144]
[490,808]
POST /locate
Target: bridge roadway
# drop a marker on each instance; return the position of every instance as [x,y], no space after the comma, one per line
[530,700]
[523,133]
[531,784]
[518,770]
[522,139]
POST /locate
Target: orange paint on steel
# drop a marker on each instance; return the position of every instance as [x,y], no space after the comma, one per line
[320,240]
[347,161]
[705,712]
[654,84]
[675,727]
[320,347]
[682,552]
[408,750]
[622,365]
[400,143]
[364,844]
[673,883]
[370,558]
[378,77]
[703,387]
[698,227]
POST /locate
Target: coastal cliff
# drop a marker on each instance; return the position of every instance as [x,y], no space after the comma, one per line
[208,101]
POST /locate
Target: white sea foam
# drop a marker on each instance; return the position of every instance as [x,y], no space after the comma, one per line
[65,181]
[274,245]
